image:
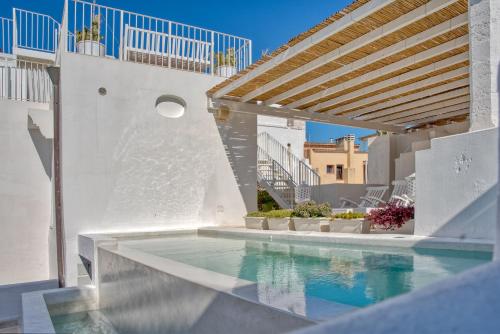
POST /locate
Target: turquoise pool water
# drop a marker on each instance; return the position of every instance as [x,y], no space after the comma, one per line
[298,273]
[90,322]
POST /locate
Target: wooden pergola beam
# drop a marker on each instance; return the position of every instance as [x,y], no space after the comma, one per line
[337,26]
[382,31]
[429,34]
[397,80]
[408,106]
[407,62]
[428,120]
[409,98]
[261,109]
[432,81]
[423,109]
[431,113]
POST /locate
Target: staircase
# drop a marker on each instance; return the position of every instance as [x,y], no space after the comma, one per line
[280,172]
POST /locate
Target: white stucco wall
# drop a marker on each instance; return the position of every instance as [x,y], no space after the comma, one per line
[381,160]
[484,36]
[25,195]
[392,157]
[278,128]
[125,167]
[456,186]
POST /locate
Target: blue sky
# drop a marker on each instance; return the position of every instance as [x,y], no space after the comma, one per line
[268,23]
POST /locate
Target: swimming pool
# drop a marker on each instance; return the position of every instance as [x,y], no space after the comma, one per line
[300,275]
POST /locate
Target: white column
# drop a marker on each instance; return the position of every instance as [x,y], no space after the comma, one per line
[484,34]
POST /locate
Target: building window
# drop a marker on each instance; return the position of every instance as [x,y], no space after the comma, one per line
[329,169]
[340,172]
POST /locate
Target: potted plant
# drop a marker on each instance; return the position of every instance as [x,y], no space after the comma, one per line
[350,222]
[88,41]
[393,219]
[278,219]
[225,63]
[309,216]
[256,220]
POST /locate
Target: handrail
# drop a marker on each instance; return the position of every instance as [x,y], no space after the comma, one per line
[105,34]
[276,177]
[35,31]
[6,29]
[300,172]
[22,80]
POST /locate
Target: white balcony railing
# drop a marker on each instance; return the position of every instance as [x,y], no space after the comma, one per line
[35,31]
[108,32]
[24,81]
[6,30]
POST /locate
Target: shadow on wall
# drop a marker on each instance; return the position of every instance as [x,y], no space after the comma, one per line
[42,145]
[239,136]
[472,222]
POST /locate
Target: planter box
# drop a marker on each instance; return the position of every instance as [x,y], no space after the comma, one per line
[91,48]
[407,228]
[310,224]
[256,223]
[279,224]
[350,226]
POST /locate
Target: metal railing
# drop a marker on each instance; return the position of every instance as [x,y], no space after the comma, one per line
[34,31]
[276,179]
[6,30]
[300,172]
[24,81]
[105,31]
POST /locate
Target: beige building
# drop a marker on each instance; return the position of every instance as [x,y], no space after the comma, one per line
[340,161]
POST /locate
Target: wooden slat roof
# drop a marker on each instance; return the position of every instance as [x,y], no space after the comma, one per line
[363,57]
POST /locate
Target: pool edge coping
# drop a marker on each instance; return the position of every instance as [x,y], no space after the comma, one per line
[384,240]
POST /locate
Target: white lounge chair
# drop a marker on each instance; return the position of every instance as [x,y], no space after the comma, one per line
[400,193]
[372,199]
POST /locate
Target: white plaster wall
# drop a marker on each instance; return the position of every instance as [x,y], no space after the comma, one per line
[456,186]
[25,195]
[484,36]
[124,167]
[380,160]
[277,128]
[390,156]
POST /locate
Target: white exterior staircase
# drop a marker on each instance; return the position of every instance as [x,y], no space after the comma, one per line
[280,172]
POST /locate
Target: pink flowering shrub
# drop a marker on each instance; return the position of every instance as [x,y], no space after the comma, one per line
[391,216]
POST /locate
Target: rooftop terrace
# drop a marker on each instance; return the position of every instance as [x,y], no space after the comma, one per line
[113,33]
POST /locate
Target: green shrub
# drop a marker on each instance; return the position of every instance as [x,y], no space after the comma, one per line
[278,213]
[256,214]
[271,214]
[312,210]
[349,215]
[265,202]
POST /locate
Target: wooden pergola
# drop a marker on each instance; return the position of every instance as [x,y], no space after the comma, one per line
[382,64]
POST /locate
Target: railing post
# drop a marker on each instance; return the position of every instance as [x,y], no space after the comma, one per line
[14,30]
[120,51]
[169,43]
[212,50]
[249,53]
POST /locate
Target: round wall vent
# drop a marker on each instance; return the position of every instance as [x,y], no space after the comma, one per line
[170,106]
